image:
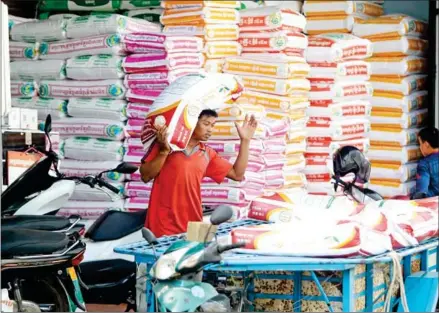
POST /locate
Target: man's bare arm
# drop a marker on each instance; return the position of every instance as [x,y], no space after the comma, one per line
[238,170]
[149,170]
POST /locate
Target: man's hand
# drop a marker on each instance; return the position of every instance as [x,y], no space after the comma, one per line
[248,128]
[162,141]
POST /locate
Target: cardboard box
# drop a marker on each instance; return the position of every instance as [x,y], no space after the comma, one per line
[14,118]
[196,231]
[29,119]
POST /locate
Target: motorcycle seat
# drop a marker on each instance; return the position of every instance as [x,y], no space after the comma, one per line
[26,242]
[113,225]
[36,222]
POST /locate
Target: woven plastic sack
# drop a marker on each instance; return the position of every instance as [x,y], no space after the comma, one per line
[399,120]
[391,102]
[49,30]
[96,67]
[393,136]
[57,108]
[23,51]
[82,89]
[402,86]
[316,8]
[91,149]
[397,66]
[394,155]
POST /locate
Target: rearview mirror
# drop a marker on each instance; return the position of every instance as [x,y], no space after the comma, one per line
[372,194]
[125,168]
[222,214]
[149,236]
[48,125]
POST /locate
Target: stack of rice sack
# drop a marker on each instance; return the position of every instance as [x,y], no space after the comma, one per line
[338,16]
[80,82]
[398,69]
[216,22]
[340,107]
[295,5]
[149,10]
[274,71]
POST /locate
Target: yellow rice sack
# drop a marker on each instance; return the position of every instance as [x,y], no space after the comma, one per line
[328,8]
[398,120]
[222,49]
[398,46]
[393,172]
[202,16]
[179,4]
[237,112]
[282,41]
[386,136]
[323,24]
[282,87]
[227,130]
[389,189]
[214,65]
[209,32]
[275,67]
[394,155]
[400,86]
[390,25]
[397,66]
[271,19]
[273,102]
[292,116]
[390,102]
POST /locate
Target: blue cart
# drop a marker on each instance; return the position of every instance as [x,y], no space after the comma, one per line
[299,284]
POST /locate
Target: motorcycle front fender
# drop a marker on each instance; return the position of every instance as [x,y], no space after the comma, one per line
[183,295]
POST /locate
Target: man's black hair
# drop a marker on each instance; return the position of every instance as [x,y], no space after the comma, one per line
[208,113]
[430,135]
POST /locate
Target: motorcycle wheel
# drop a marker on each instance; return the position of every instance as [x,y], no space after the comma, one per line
[46,291]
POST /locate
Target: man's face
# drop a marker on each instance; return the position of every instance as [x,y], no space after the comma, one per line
[204,128]
[424,146]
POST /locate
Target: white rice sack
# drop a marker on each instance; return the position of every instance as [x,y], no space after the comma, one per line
[65,49]
[47,30]
[325,8]
[394,172]
[210,32]
[341,110]
[148,14]
[86,193]
[85,168]
[337,47]
[399,120]
[401,86]
[74,5]
[158,43]
[90,210]
[57,108]
[289,43]
[390,102]
[393,136]
[390,25]
[222,49]
[227,131]
[271,19]
[23,51]
[399,46]
[330,147]
[21,88]
[62,16]
[95,128]
[339,129]
[389,189]
[101,108]
[395,155]
[322,24]
[96,67]
[38,70]
[397,66]
[341,91]
[83,89]
[91,149]
[15,20]
[103,24]
[356,70]
[238,112]
[136,5]
[214,65]
[292,5]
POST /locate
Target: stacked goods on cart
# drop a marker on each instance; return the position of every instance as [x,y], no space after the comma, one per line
[339,103]
[398,76]
[338,16]
[216,22]
[77,72]
[274,71]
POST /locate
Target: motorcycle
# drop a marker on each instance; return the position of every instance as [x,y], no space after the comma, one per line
[177,273]
[39,271]
[31,200]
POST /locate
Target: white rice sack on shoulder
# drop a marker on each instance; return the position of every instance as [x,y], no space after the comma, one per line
[341,91]
[83,89]
[397,66]
[137,5]
[103,24]
[73,5]
[96,67]
[395,155]
[394,172]
[322,24]
[95,128]
[102,108]
[48,30]
[327,8]
[401,86]
[147,14]
[91,149]
[390,25]
[356,70]
[57,108]
[65,49]
[399,120]
[399,46]
[390,102]
[337,47]
[387,136]
[222,49]
[84,192]
[294,44]
[83,168]
[20,88]
[19,51]
[270,19]
[389,189]
[38,70]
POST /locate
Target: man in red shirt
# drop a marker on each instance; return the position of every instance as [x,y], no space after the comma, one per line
[175,198]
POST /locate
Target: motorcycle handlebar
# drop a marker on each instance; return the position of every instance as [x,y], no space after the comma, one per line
[221,249]
[103,183]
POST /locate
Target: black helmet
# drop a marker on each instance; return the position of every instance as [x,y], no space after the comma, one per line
[349,159]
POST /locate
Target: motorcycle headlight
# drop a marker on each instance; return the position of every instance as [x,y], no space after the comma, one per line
[164,268]
[191,261]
